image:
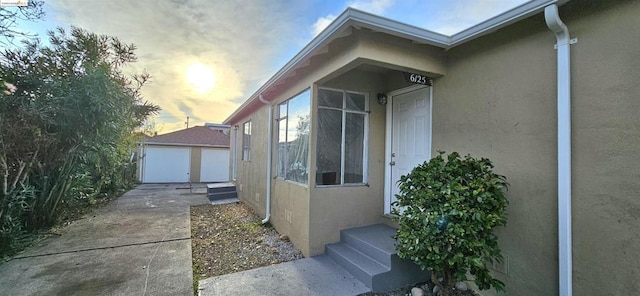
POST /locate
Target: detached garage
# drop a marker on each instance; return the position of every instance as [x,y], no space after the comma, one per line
[197,154]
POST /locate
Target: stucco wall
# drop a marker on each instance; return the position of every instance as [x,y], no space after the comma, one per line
[498,101]
[251,175]
[339,207]
[606,154]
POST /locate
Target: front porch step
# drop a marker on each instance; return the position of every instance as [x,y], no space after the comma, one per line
[361,266]
[220,191]
[369,254]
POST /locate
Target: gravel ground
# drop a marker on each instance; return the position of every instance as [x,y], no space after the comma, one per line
[230,238]
[426,287]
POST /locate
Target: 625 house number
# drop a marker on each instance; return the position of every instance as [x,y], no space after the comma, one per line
[417,78]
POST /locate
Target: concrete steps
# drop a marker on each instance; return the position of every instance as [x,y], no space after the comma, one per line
[369,254]
[220,191]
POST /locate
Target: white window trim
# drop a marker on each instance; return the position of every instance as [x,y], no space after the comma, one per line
[248,155]
[234,164]
[365,145]
[277,135]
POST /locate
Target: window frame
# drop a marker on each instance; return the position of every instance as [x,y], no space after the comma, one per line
[365,140]
[246,149]
[286,117]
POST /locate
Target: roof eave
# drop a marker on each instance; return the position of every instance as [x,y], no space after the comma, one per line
[502,20]
[184,145]
[356,17]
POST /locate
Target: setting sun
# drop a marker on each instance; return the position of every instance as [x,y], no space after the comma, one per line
[201,77]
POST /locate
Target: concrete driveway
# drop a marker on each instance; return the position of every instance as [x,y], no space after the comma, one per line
[138,245]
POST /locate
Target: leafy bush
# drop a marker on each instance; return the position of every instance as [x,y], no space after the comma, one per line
[447,211]
[12,228]
[67,123]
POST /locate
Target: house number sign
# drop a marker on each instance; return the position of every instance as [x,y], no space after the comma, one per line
[417,78]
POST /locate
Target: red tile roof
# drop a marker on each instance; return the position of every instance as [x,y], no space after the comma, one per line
[197,135]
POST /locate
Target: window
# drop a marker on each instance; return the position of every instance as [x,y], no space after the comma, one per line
[234,168]
[342,133]
[293,138]
[246,141]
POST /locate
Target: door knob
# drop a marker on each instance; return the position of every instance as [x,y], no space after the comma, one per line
[392,163]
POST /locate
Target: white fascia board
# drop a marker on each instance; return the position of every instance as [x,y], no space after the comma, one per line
[392,27]
[502,20]
[182,145]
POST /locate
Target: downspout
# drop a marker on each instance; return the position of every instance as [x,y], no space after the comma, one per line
[565,263]
[269,144]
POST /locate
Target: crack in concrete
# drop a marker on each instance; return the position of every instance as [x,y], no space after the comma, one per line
[101,248]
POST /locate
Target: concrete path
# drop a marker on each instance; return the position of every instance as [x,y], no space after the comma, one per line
[315,276]
[138,245]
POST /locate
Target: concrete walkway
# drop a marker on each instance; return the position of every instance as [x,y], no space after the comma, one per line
[138,245]
[315,276]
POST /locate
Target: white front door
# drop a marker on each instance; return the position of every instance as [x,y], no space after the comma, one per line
[408,136]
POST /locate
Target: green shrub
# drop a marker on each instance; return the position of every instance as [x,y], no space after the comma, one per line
[447,211]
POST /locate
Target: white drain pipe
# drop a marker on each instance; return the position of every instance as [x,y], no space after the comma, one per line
[269,144]
[565,263]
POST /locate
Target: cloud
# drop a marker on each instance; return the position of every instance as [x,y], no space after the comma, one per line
[372,6]
[237,39]
[322,23]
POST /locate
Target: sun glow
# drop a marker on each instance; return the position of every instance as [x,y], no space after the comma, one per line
[201,77]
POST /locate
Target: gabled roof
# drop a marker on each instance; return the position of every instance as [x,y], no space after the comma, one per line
[193,136]
[355,18]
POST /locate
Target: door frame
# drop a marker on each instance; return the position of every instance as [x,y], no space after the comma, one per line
[388,138]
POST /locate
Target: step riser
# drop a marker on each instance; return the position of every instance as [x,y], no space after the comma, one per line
[370,256]
[364,247]
[223,195]
[358,273]
[221,190]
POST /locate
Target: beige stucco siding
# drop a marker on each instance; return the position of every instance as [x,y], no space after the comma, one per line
[251,175]
[339,207]
[606,135]
[498,101]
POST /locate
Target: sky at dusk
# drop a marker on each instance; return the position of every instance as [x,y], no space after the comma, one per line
[208,56]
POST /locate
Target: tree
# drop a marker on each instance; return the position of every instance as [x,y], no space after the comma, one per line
[447,211]
[9,17]
[66,132]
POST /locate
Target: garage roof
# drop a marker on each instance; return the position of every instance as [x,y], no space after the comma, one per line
[193,136]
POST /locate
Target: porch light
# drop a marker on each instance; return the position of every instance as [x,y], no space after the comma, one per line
[382,99]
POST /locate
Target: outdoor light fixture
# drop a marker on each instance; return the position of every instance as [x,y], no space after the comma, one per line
[382,98]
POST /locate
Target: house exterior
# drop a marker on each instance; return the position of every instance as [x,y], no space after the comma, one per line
[315,151]
[196,154]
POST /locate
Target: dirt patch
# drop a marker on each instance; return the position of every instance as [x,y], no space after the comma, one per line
[230,238]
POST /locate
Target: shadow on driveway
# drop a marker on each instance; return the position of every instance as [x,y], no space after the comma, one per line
[138,245]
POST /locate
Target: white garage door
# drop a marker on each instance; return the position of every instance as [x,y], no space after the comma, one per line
[165,165]
[214,166]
